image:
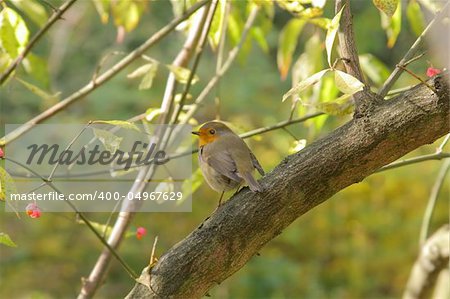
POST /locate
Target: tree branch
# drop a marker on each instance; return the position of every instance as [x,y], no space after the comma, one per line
[433,258]
[347,43]
[55,17]
[245,223]
[103,78]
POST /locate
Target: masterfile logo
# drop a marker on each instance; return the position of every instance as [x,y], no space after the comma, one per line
[95,166]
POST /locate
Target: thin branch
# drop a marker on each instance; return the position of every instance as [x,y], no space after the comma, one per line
[417,77]
[280,125]
[436,156]
[349,51]
[411,52]
[81,215]
[101,79]
[56,16]
[432,202]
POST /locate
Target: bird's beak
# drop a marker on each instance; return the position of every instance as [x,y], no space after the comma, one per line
[196,133]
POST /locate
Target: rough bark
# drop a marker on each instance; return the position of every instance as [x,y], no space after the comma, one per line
[240,227]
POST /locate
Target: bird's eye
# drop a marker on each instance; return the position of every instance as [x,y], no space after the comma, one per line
[212,131]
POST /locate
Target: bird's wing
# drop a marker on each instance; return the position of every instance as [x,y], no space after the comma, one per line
[256,164]
[223,163]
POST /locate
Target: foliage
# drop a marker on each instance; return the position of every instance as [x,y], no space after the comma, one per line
[365,231]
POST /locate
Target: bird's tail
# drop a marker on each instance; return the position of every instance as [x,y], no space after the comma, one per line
[252,183]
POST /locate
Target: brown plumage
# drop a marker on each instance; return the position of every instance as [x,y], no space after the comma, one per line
[225,159]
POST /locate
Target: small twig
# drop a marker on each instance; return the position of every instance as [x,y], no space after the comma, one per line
[103,78]
[411,52]
[436,156]
[56,16]
[279,125]
[290,133]
[102,62]
[348,49]
[66,149]
[152,256]
[417,77]
[414,59]
[444,142]
[400,90]
[432,202]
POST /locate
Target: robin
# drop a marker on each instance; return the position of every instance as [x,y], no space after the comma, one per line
[225,159]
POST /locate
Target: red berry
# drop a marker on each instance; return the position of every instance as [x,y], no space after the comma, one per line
[140,232]
[2,154]
[431,71]
[33,210]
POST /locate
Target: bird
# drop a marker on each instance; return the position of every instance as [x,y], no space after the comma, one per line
[225,159]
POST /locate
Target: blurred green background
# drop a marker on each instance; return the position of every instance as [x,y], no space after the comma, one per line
[359,244]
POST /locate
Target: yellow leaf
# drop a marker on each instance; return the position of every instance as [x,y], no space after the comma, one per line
[331,34]
[386,6]
[347,83]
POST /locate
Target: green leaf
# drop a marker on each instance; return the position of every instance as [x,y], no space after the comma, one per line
[305,84]
[37,68]
[387,6]
[331,34]
[110,141]
[127,13]
[151,113]
[33,9]
[393,25]
[374,68]
[323,23]
[309,62]
[287,43]
[415,17]
[260,37]
[339,107]
[14,33]
[51,98]
[7,185]
[347,83]
[215,31]
[5,60]
[119,123]
[181,74]
[147,80]
[328,89]
[6,240]
[102,7]
[148,72]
